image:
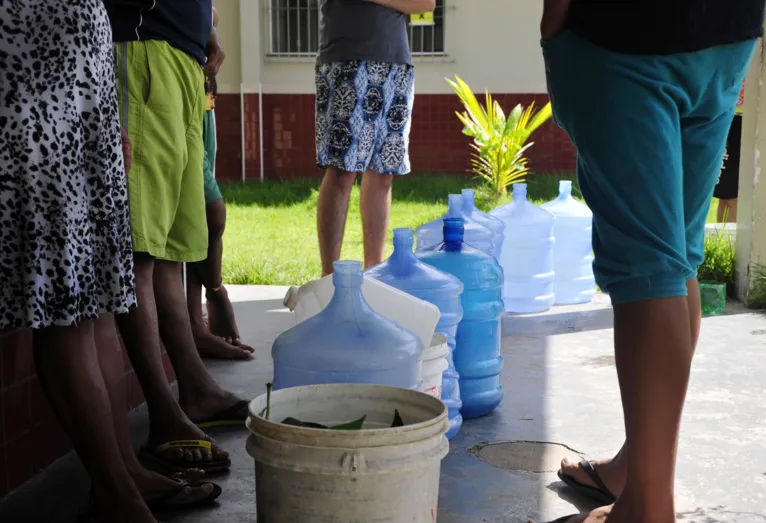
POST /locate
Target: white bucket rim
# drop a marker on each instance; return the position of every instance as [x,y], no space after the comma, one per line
[333,438]
[438,348]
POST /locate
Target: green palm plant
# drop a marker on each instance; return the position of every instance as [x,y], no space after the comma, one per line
[499,142]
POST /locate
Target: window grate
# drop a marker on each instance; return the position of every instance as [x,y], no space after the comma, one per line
[294,30]
[294,27]
[428,40]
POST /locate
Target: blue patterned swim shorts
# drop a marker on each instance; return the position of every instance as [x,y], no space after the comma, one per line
[363,115]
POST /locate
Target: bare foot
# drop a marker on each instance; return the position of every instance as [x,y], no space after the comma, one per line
[212,405]
[212,346]
[221,316]
[611,472]
[600,515]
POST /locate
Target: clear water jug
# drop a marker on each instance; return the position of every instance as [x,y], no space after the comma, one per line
[477,343]
[527,257]
[404,271]
[487,220]
[347,342]
[573,254]
[476,235]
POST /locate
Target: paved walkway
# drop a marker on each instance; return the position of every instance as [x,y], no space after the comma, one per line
[560,387]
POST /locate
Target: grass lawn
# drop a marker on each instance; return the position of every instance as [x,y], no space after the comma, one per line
[270,234]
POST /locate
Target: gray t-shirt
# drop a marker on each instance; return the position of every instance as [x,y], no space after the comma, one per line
[362,30]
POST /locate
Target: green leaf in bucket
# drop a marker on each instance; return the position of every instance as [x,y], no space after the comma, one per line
[353,425]
[267,409]
[305,424]
[398,422]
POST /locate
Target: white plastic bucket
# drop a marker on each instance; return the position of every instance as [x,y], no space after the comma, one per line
[380,474]
[434,365]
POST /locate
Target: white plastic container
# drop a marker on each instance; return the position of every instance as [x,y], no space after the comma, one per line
[573,254]
[434,365]
[527,257]
[380,474]
[411,313]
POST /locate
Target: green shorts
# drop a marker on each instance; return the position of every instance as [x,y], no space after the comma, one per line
[162,96]
[212,192]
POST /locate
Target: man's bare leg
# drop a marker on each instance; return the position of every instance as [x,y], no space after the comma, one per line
[375,203]
[727,211]
[220,339]
[332,211]
[67,363]
[613,472]
[199,395]
[150,484]
[140,332]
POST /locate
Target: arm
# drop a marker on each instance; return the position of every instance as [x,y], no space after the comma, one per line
[408,6]
[554,17]
[215,54]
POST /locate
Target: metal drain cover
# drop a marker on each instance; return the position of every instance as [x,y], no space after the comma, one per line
[524,456]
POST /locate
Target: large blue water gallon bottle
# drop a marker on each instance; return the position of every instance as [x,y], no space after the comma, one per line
[476,234]
[477,344]
[404,271]
[527,256]
[347,342]
[487,220]
[573,255]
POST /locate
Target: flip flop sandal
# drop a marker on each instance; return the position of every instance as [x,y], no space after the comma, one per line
[565,519]
[599,493]
[153,458]
[165,502]
[234,416]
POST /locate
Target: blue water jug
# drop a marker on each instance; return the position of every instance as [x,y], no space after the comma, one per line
[487,220]
[404,271]
[573,255]
[476,235]
[347,342]
[477,343]
[527,257]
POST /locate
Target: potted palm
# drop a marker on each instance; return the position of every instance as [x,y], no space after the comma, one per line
[499,141]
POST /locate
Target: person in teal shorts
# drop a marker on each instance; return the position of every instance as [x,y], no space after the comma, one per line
[220,337]
[647,92]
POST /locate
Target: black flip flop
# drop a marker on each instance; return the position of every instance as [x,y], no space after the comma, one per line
[163,503]
[234,416]
[599,493]
[565,519]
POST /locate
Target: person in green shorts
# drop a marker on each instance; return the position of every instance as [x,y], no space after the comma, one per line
[160,49]
[220,338]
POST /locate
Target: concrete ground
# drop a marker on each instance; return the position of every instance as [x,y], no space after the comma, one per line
[560,388]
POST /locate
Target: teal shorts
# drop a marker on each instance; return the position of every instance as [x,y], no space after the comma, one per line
[212,191]
[650,133]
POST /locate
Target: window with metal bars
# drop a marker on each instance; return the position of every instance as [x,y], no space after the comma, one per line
[294,30]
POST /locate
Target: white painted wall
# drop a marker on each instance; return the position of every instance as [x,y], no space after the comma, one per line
[230,75]
[492,44]
[751,214]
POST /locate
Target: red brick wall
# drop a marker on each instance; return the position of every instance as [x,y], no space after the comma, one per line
[30,437]
[437,144]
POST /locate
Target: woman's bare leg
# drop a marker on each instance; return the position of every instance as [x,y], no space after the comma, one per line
[150,484]
[68,367]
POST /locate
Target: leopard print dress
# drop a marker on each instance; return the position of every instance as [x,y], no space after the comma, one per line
[65,243]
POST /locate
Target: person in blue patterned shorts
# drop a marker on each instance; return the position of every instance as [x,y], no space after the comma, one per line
[365,87]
